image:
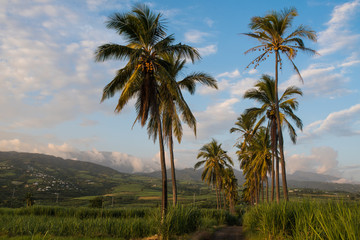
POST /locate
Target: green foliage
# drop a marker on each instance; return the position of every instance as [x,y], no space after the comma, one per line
[97,202]
[305,220]
[105,223]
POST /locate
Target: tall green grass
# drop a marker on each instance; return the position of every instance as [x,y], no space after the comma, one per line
[102,223]
[305,220]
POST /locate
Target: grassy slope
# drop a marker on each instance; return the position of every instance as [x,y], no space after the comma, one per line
[76,182]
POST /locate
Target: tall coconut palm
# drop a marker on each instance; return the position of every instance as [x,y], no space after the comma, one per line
[255,162]
[230,186]
[215,161]
[144,33]
[171,107]
[265,94]
[272,33]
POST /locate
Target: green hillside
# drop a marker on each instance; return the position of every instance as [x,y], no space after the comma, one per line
[53,180]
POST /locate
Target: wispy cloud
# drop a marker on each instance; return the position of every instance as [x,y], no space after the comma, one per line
[233,74]
[208,50]
[45,67]
[337,35]
[321,80]
[195,36]
[341,123]
[209,22]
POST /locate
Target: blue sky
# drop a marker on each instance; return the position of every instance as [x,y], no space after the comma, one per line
[51,85]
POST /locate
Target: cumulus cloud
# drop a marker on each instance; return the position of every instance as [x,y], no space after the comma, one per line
[207,50]
[337,35]
[119,161]
[45,67]
[322,160]
[240,87]
[341,123]
[216,119]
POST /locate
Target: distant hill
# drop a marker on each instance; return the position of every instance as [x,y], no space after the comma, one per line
[298,179]
[51,178]
[46,175]
[189,174]
[313,177]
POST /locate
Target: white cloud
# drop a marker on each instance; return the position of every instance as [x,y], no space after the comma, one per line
[195,36]
[233,74]
[350,61]
[239,88]
[222,86]
[45,68]
[337,36]
[341,123]
[209,22]
[116,160]
[216,119]
[207,50]
[320,80]
[322,160]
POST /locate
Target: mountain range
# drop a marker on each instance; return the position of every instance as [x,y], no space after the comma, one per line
[49,175]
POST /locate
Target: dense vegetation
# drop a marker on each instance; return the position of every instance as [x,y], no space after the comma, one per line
[304,220]
[116,223]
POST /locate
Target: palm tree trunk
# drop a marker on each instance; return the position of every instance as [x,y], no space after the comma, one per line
[217,197]
[231,205]
[267,189]
[173,176]
[273,145]
[224,198]
[256,190]
[262,191]
[164,197]
[277,175]
[281,142]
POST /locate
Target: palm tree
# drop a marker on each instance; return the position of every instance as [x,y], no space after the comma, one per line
[215,161]
[265,93]
[230,186]
[255,162]
[144,72]
[245,125]
[271,32]
[172,107]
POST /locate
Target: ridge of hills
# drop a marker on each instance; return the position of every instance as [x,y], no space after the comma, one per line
[48,177]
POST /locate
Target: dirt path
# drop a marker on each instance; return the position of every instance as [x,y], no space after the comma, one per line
[233,233]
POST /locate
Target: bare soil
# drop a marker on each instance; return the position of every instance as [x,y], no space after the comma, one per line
[233,232]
